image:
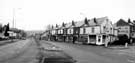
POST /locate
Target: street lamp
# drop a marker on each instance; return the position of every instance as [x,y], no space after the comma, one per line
[14,15]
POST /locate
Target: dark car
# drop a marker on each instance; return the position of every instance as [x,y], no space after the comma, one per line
[55,56]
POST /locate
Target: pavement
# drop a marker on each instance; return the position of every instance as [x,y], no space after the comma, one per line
[92,54]
[129,50]
[5,42]
[23,51]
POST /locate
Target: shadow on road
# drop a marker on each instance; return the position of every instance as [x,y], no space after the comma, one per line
[53,54]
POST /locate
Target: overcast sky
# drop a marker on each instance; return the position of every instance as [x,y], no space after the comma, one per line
[36,14]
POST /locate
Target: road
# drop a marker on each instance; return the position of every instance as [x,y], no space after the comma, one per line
[24,51]
[91,54]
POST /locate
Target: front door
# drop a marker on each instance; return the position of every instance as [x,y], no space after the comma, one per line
[99,40]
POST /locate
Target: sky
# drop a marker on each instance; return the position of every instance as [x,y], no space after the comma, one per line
[37,14]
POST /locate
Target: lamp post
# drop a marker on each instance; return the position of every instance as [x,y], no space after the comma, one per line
[14,19]
[14,16]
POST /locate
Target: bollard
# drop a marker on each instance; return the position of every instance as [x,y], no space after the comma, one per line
[126,44]
[106,45]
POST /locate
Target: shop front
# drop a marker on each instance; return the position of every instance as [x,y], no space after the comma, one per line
[83,38]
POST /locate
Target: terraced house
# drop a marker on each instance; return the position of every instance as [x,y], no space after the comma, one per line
[53,33]
[70,31]
[88,31]
[62,32]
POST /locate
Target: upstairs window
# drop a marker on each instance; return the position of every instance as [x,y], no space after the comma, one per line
[93,30]
[70,31]
[84,30]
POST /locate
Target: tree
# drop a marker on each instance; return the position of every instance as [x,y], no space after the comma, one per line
[6,30]
[23,33]
[123,39]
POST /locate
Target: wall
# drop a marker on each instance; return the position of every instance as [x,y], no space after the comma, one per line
[89,30]
[96,30]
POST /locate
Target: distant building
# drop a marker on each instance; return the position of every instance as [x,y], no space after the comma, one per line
[123,28]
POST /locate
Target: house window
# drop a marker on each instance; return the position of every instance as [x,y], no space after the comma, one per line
[69,31]
[76,31]
[60,31]
[84,30]
[93,29]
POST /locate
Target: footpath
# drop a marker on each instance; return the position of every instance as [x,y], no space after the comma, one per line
[10,50]
[5,42]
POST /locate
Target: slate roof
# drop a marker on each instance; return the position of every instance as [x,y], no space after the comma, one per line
[54,27]
[68,25]
[91,22]
[122,22]
[79,23]
[99,21]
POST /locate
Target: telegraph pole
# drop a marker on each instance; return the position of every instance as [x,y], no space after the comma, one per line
[13,22]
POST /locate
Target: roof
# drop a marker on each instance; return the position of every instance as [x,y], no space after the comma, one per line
[99,21]
[58,26]
[122,22]
[79,23]
[68,25]
[91,22]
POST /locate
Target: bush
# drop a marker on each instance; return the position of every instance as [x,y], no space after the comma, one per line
[122,39]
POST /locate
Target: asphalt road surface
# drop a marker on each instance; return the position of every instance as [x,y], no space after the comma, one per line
[91,54]
[24,51]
